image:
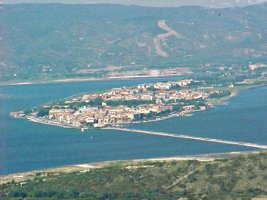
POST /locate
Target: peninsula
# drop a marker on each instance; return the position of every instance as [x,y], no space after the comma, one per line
[141,103]
[148,102]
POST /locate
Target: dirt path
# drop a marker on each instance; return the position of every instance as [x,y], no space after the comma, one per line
[179,180]
[159,39]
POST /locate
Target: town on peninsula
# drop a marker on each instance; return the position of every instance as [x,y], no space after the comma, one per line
[146,102]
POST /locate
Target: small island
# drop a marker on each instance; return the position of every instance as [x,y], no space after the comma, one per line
[136,104]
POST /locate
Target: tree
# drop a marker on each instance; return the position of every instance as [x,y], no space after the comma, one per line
[41,112]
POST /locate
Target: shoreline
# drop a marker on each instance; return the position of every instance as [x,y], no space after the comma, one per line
[57,124]
[85,167]
[35,120]
[73,80]
[186,113]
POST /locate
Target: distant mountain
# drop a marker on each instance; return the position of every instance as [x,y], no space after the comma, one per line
[55,40]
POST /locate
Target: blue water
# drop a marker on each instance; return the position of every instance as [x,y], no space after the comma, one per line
[28,146]
[243,119]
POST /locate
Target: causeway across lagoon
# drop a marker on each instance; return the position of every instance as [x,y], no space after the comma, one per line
[205,139]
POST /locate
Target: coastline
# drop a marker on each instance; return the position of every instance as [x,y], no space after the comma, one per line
[54,123]
[171,115]
[234,92]
[211,102]
[35,120]
[85,167]
[72,80]
[186,113]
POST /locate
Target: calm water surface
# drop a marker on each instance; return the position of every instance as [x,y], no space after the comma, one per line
[243,119]
[27,146]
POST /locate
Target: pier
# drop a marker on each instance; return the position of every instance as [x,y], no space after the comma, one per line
[188,137]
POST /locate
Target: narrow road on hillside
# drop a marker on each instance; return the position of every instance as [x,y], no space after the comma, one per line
[159,39]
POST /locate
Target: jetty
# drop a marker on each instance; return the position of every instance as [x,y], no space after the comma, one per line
[188,137]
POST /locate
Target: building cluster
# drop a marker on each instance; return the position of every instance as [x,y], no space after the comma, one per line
[148,98]
[256,66]
[100,117]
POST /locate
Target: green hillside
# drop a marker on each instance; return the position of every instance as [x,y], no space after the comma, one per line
[51,41]
[243,177]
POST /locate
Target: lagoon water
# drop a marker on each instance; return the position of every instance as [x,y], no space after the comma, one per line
[244,119]
[26,146]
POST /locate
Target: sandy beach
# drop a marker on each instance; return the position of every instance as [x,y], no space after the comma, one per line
[84,167]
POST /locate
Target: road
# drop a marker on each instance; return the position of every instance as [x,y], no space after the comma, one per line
[204,139]
[159,39]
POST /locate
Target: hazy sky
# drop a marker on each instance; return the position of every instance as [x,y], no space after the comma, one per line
[210,3]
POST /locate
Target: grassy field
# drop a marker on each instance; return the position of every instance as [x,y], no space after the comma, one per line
[242,177]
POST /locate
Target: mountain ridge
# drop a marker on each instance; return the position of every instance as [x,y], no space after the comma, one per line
[59,40]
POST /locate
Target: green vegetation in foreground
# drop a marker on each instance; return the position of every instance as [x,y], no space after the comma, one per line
[243,177]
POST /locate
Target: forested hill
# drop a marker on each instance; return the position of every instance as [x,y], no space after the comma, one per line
[60,40]
[244,177]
